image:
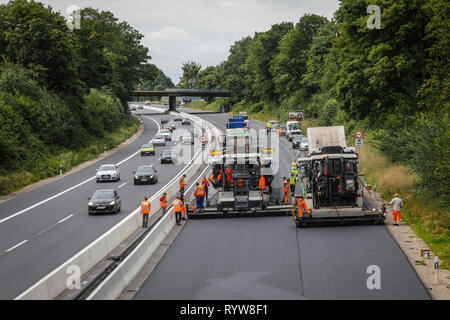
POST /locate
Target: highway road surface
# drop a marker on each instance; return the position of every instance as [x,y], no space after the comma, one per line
[269,258]
[42,229]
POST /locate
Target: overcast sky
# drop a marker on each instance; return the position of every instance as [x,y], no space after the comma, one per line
[176,31]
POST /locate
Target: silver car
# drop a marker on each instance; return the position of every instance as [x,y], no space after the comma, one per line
[159,140]
[166,133]
[107,172]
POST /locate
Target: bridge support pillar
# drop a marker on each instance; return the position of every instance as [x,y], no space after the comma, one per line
[172,103]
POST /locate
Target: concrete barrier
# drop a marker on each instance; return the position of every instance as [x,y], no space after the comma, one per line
[56,282]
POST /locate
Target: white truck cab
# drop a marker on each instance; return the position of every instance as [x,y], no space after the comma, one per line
[292,128]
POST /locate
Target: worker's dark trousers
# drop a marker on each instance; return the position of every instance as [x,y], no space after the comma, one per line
[292,186]
[199,202]
[178,216]
[164,210]
[206,191]
[144,220]
[182,190]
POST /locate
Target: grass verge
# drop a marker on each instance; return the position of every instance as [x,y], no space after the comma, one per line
[16,180]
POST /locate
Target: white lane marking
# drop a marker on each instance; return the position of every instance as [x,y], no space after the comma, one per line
[19,244]
[62,220]
[122,185]
[67,190]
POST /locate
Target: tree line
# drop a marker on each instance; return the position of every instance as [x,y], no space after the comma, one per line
[62,88]
[392,81]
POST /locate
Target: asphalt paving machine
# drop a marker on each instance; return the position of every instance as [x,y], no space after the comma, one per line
[330,183]
[241,152]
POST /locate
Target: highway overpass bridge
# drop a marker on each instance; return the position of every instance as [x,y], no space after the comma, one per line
[176,92]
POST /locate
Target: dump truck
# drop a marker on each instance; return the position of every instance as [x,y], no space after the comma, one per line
[293,126]
[330,183]
[241,152]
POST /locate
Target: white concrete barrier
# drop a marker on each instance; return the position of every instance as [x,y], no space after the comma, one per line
[55,282]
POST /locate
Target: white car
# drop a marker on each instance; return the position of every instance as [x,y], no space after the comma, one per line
[159,140]
[304,144]
[166,134]
[107,172]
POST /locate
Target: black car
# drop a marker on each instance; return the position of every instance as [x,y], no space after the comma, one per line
[186,122]
[145,174]
[169,156]
[164,120]
[178,118]
[296,140]
[104,201]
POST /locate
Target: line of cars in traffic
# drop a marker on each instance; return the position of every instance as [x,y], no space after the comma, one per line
[108,200]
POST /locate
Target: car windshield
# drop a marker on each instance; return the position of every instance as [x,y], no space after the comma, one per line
[107,168]
[103,194]
[159,137]
[172,124]
[165,131]
[282,126]
[294,126]
[146,169]
[298,138]
[147,145]
[168,152]
[304,140]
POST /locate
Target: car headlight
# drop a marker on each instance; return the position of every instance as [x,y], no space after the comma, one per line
[136,177]
[90,204]
[112,203]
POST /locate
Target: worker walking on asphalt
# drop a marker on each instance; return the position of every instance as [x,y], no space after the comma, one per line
[229,175]
[396,204]
[178,208]
[182,184]
[163,203]
[292,182]
[145,210]
[199,194]
[285,190]
[301,205]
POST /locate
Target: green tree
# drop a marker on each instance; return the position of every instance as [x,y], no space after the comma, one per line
[191,71]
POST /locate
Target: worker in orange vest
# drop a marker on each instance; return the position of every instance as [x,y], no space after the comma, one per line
[285,190]
[199,194]
[205,184]
[219,176]
[262,183]
[301,205]
[163,203]
[182,184]
[178,208]
[145,210]
[229,176]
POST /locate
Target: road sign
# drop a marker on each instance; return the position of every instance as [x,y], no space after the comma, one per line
[359,143]
[203,139]
[358,134]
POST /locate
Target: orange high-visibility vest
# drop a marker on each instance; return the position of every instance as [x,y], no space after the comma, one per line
[200,192]
[205,182]
[212,177]
[145,207]
[262,183]
[301,204]
[177,205]
[285,186]
[182,184]
[163,201]
[240,183]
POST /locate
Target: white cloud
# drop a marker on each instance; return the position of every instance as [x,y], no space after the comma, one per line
[201,30]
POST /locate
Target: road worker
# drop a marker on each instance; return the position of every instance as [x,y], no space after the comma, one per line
[295,169]
[396,204]
[205,184]
[301,205]
[199,195]
[178,209]
[182,184]
[285,190]
[229,177]
[145,210]
[292,182]
[262,183]
[163,203]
